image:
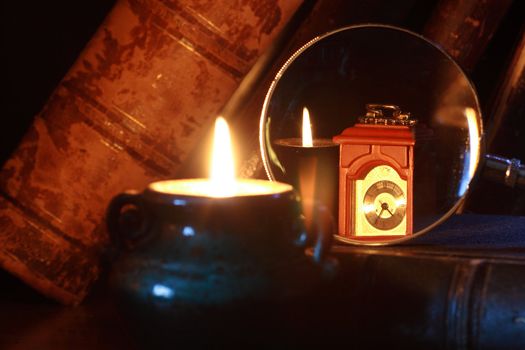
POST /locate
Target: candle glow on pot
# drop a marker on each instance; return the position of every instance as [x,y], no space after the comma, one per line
[222,182]
[307,129]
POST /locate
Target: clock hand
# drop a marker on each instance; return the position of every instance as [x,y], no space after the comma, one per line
[384,206]
[379,215]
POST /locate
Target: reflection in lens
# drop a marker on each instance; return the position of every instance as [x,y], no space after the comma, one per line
[474,136]
[336,75]
[307,129]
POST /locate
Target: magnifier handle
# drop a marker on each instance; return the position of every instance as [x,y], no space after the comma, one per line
[510,172]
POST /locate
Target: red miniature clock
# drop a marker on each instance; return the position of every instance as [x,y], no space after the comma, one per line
[375,175]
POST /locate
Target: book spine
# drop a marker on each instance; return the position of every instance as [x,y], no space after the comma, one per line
[137,100]
[463,28]
[508,105]
[430,302]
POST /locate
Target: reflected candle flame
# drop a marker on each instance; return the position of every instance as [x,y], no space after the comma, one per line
[401,202]
[472,154]
[162,291]
[307,129]
[473,128]
[368,208]
[222,175]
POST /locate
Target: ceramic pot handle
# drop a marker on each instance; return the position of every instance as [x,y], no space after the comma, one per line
[122,237]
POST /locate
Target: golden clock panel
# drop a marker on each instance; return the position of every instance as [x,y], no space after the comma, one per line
[380,208]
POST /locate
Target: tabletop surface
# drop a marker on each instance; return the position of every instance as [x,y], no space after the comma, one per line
[30,321]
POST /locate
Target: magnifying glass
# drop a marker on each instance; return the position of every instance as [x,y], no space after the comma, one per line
[385,182]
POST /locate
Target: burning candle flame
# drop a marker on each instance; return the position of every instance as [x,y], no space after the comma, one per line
[307,129]
[222,175]
[222,182]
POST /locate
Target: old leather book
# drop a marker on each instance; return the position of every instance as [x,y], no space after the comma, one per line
[464,28]
[137,100]
[460,286]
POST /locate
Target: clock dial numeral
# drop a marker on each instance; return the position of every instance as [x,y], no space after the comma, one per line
[384,205]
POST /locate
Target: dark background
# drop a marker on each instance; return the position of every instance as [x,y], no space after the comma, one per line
[41,40]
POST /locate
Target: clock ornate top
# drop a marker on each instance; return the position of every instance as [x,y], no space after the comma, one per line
[386,115]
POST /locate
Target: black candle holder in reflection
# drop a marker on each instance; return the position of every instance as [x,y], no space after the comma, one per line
[312,171]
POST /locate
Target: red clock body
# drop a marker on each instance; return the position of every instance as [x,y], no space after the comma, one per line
[376,170]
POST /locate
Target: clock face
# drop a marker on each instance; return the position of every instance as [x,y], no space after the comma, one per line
[384,205]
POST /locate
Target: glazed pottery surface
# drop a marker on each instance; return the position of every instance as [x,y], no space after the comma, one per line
[225,267]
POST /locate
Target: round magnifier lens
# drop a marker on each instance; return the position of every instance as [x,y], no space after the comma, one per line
[335,76]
